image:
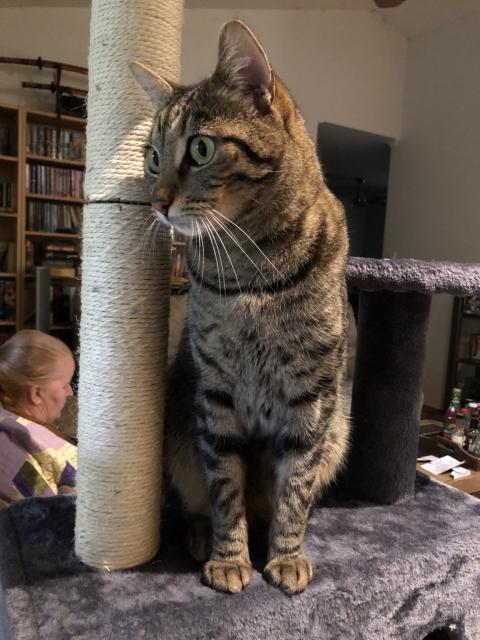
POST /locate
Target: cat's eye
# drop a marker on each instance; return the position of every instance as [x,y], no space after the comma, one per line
[152,161]
[202,150]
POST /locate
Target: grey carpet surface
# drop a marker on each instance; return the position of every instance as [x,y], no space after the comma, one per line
[381,573]
[456,278]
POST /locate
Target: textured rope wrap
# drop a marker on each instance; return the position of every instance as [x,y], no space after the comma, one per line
[125,293]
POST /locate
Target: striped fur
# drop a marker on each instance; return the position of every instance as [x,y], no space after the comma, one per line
[255,420]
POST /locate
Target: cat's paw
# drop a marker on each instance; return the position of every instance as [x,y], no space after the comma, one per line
[199,539]
[290,575]
[230,576]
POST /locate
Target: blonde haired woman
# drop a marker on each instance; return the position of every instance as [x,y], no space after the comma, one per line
[35,375]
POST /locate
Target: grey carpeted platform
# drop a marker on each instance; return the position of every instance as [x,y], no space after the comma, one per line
[381,573]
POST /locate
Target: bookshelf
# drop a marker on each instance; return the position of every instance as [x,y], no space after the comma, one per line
[42,163]
[10,219]
[464,355]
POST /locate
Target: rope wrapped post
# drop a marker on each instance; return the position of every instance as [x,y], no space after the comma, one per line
[125,293]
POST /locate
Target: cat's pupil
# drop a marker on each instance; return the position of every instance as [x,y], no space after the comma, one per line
[202,148]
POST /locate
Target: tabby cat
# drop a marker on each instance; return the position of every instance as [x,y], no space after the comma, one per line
[255,419]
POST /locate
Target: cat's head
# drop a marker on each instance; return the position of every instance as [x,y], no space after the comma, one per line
[220,149]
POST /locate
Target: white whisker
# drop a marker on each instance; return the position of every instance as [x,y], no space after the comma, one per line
[251,240]
[210,236]
[203,254]
[212,228]
[228,256]
[235,240]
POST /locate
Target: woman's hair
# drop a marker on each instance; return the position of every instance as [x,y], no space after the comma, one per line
[28,359]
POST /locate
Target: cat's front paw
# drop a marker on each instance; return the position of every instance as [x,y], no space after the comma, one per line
[230,576]
[291,575]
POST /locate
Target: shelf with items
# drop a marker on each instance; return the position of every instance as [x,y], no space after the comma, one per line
[53,181]
[55,138]
[10,213]
[8,133]
[178,280]
[54,162]
[464,354]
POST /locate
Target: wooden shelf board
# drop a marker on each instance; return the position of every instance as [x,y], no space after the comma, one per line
[8,323]
[52,234]
[8,158]
[8,214]
[7,274]
[54,198]
[59,162]
[61,327]
[474,361]
[36,115]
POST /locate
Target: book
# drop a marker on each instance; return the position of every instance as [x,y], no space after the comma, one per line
[8,296]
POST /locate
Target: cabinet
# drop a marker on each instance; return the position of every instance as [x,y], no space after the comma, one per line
[464,355]
[42,164]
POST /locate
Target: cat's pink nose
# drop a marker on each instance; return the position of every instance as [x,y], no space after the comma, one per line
[162,205]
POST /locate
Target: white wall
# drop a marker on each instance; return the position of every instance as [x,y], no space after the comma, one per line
[344,67]
[59,34]
[434,197]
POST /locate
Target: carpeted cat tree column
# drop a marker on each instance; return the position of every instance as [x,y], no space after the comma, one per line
[125,292]
[394,310]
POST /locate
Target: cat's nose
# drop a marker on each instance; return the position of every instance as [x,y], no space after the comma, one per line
[162,205]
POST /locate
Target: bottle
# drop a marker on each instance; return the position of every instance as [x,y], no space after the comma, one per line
[458,436]
[475,448]
[473,425]
[451,413]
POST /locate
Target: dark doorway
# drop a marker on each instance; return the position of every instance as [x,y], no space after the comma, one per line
[356,166]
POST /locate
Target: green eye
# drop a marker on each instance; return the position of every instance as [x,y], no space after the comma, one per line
[202,150]
[152,161]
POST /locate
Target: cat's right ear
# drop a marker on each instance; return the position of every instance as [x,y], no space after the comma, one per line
[156,88]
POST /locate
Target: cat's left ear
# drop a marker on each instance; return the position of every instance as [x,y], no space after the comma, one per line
[156,88]
[241,59]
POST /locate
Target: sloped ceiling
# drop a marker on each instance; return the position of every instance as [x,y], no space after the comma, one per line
[412,18]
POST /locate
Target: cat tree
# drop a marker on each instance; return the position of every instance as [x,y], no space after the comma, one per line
[395,562]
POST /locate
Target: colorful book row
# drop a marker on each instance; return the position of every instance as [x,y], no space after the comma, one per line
[52,217]
[62,144]
[47,180]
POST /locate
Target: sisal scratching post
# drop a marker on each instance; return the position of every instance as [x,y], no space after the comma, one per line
[125,293]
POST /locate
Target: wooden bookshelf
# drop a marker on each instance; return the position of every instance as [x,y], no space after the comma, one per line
[10,225]
[35,143]
[63,139]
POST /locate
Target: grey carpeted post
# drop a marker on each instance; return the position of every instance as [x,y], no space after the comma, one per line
[387,395]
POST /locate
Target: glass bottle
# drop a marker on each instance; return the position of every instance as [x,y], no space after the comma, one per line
[451,413]
[458,435]
[473,425]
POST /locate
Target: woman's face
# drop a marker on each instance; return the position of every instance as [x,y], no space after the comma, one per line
[54,394]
